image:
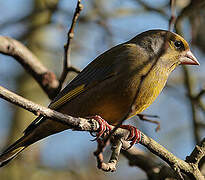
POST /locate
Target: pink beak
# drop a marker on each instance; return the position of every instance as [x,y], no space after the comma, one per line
[189,59]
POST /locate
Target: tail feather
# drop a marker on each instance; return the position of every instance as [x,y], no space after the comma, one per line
[11,152]
[30,136]
[38,130]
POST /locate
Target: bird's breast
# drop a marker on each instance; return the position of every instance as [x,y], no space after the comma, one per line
[112,100]
[149,88]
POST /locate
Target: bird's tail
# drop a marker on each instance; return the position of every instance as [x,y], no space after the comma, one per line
[39,129]
[12,151]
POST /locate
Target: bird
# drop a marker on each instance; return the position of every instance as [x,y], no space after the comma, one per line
[129,75]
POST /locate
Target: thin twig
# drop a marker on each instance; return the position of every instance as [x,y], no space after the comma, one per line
[173,15]
[199,95]
[67,47]
[189,87]
[143,117]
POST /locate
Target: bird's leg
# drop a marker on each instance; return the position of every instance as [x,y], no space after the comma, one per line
[134,136]
[104,126]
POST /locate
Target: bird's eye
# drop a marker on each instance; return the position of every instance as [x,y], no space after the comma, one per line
[179,44]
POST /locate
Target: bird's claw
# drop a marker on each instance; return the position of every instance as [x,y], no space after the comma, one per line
[104,126]
[134,136]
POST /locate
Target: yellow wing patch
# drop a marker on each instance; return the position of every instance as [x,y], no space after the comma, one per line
[18,150]
[67,97]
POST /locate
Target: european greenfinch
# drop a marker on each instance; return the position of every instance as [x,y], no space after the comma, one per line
[128,75]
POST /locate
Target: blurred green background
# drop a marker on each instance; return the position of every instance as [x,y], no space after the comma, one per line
[42,26]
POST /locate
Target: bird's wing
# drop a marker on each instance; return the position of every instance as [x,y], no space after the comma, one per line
[94,73]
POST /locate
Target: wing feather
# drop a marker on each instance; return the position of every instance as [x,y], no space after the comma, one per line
[94,73]
[67,97]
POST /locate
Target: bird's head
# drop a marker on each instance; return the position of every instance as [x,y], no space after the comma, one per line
[167,47]
[178,50]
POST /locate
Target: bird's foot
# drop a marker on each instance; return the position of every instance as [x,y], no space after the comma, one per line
[134,136]
[104,126]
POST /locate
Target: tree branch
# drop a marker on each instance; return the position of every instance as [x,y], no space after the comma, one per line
[148,164]
[91,125]
[45,78]
[75,123]
[178,165]
[173,14]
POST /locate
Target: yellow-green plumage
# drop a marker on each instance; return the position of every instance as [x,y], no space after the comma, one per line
[129,75]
